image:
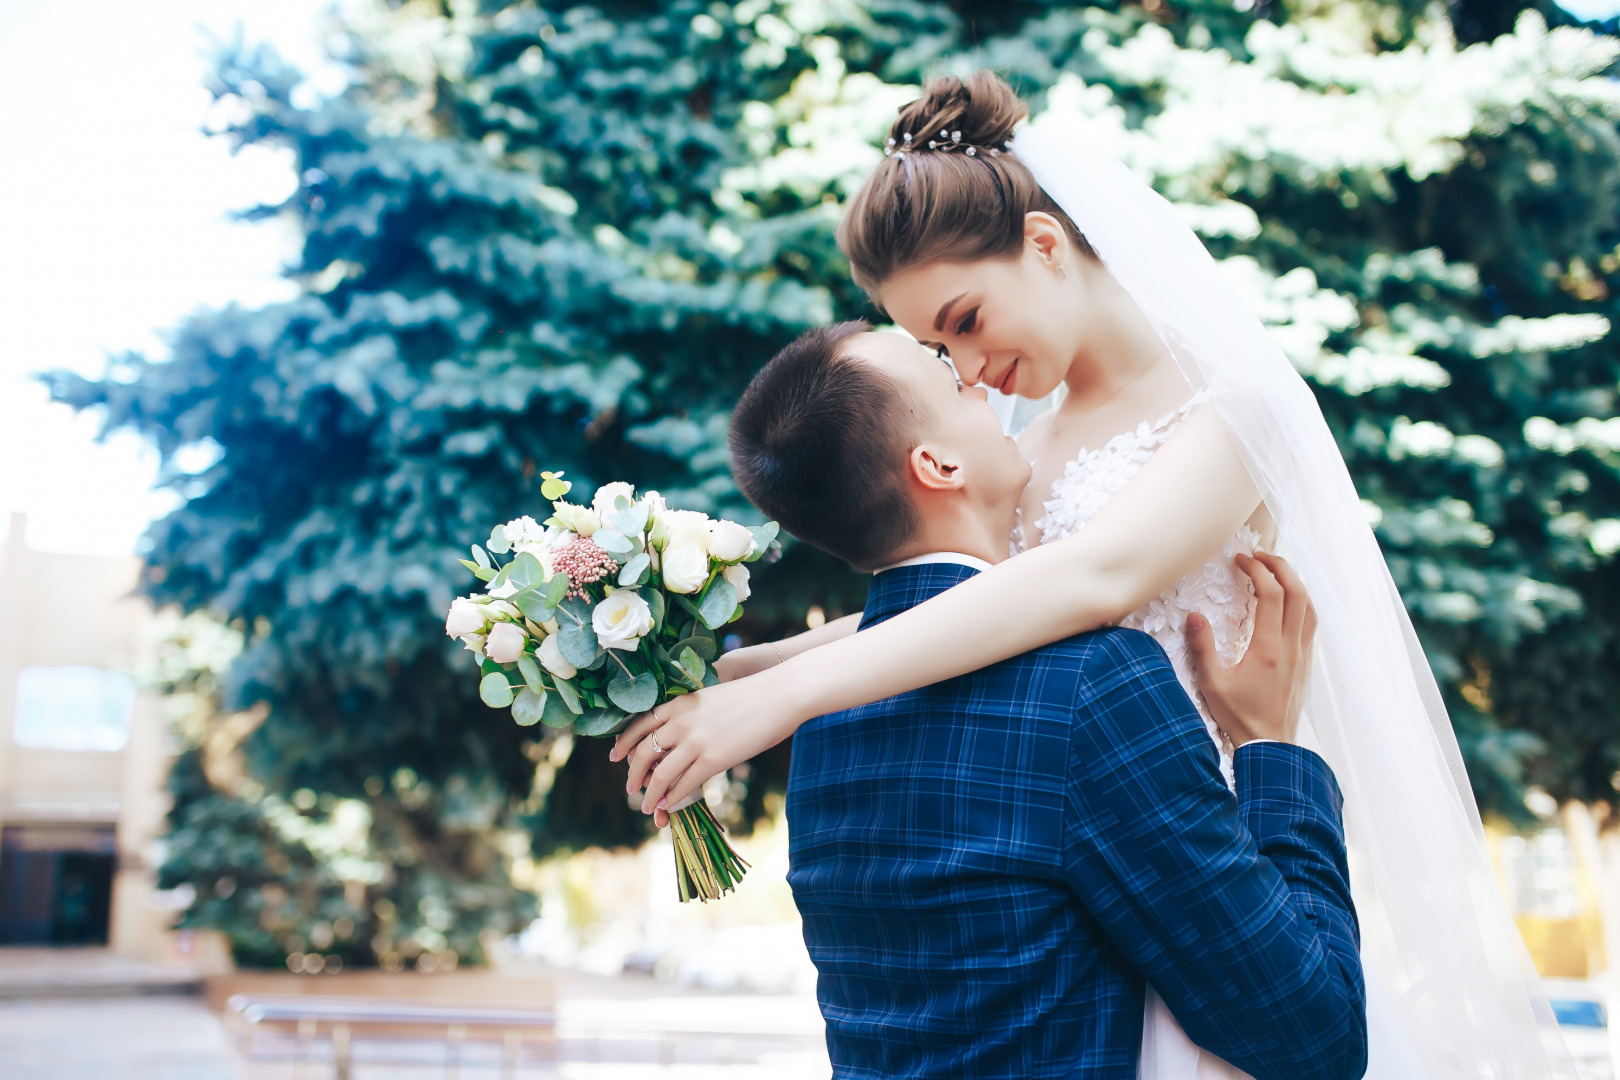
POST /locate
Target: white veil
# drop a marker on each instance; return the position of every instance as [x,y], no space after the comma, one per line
[1442,954]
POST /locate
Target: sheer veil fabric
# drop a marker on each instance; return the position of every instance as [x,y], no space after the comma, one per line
[1452,994]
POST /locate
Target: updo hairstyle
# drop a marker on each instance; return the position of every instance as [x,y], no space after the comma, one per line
[961,200]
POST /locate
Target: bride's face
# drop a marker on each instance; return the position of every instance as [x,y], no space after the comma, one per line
[1009,324]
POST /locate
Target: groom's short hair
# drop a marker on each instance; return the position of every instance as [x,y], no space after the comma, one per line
[819,442]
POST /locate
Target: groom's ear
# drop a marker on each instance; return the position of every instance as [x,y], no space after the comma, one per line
[934,469]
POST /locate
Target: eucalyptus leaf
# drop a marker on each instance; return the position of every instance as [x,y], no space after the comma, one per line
[578,643]
[529,707]
[603,721]
[630,576]
[480,556]
[568,695]
[613,542]
[556,589]
[531,673]
[533,604]
[718,604]
[495,690]
[655,601]
[497,541]
[525,570]
[763,535]
[691,663]
[483,573]
[557,714]
[629,521]
[635,695]
[553,487]
[704,646]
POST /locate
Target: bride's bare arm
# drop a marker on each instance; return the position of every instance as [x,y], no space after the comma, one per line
[740,663]
[1184,504]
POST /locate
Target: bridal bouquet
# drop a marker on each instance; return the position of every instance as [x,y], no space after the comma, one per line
[602,612]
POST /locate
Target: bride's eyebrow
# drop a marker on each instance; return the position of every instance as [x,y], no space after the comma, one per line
[939,320]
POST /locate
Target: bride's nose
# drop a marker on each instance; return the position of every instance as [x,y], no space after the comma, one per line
[969,366]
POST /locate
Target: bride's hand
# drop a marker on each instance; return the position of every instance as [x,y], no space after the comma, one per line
[698,736]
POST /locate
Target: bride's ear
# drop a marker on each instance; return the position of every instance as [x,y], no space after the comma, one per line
[934,469]
[1046,235]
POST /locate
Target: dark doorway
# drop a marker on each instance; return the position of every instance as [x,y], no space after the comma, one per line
[55,886]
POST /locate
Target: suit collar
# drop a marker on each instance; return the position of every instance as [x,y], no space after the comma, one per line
[904,587]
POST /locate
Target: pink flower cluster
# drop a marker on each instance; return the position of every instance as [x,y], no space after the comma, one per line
[584,563]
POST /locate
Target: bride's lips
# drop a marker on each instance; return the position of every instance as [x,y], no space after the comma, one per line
[1008,378]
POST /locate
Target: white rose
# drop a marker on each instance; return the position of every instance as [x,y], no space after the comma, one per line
[505,643]
[523,530]
[497,609]
[551,658]
[687,527]
[603,502]
[621,620]
[738,576]
[503,590]
[465,618]
[686,568]
[730,542]
[580,519]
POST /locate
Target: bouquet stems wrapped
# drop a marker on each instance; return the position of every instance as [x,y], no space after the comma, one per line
[602,612]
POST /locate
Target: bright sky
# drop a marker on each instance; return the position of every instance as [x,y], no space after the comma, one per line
[114,225]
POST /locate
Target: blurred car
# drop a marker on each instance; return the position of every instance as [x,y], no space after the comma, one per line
[1582,1009]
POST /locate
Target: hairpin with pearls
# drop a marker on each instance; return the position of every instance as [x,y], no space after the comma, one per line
[947,141]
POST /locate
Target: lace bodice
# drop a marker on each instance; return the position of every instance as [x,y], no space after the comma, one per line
[1218,590]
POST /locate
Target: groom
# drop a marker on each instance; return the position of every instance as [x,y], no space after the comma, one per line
[992,868]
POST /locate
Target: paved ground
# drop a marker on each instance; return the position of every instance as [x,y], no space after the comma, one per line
[89,972]
[608,1029]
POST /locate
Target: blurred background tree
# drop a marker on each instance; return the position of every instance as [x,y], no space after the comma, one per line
[541,237]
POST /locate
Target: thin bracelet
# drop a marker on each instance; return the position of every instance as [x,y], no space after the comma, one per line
[780,659]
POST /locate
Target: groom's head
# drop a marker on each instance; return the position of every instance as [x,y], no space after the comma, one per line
[867,446]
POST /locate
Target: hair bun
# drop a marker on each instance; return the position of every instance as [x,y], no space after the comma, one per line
[984,109]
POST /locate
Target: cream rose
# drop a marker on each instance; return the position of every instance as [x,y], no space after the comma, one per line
[738,577]
[505,643]
[621,620]
[687,527]
[608,495]
[686,567]
[551,658]
[497,609]
[730,542]
[465,618]
[579,519]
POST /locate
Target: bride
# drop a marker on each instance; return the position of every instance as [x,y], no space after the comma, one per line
[1183,437]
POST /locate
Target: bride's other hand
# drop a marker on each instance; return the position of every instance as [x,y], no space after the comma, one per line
[1260,697]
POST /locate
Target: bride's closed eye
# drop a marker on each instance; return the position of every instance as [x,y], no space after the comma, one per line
[967,323]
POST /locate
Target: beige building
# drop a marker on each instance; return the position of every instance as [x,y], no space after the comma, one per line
[82,755]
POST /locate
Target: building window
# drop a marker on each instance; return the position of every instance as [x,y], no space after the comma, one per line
[73,708]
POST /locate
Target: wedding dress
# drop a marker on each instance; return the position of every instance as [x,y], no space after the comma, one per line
[1450,991]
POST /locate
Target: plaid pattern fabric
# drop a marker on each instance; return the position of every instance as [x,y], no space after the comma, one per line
[990,867]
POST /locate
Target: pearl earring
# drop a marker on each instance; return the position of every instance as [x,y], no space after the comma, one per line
[1063,275]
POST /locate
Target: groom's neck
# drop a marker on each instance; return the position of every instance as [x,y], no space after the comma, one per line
[960,531]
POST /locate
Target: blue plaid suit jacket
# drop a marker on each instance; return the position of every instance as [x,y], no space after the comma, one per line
[990,868]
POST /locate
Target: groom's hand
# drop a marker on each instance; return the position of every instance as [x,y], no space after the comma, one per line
[1260,697]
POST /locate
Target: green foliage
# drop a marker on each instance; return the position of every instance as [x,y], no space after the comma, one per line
[568,235]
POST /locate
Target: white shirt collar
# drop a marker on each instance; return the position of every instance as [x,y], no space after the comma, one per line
[938,557]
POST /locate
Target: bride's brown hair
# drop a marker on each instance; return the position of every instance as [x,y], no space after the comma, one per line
[949,189]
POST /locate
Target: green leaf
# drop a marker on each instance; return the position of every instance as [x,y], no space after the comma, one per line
[557,714]
[763,535]
[497,541]
[691,663]
[480,557]
[635,695]
[710,678]
[683,602]
[578,643]
[569,695]
[718,604]
[630,576]
[603,721]
[629,521]
[481,572]
[614,543]
[655,601]
[703,645]
[553,486]
[556,589]
[531,673]
[525,570]
[529,707]
[533,604]
[495,690]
